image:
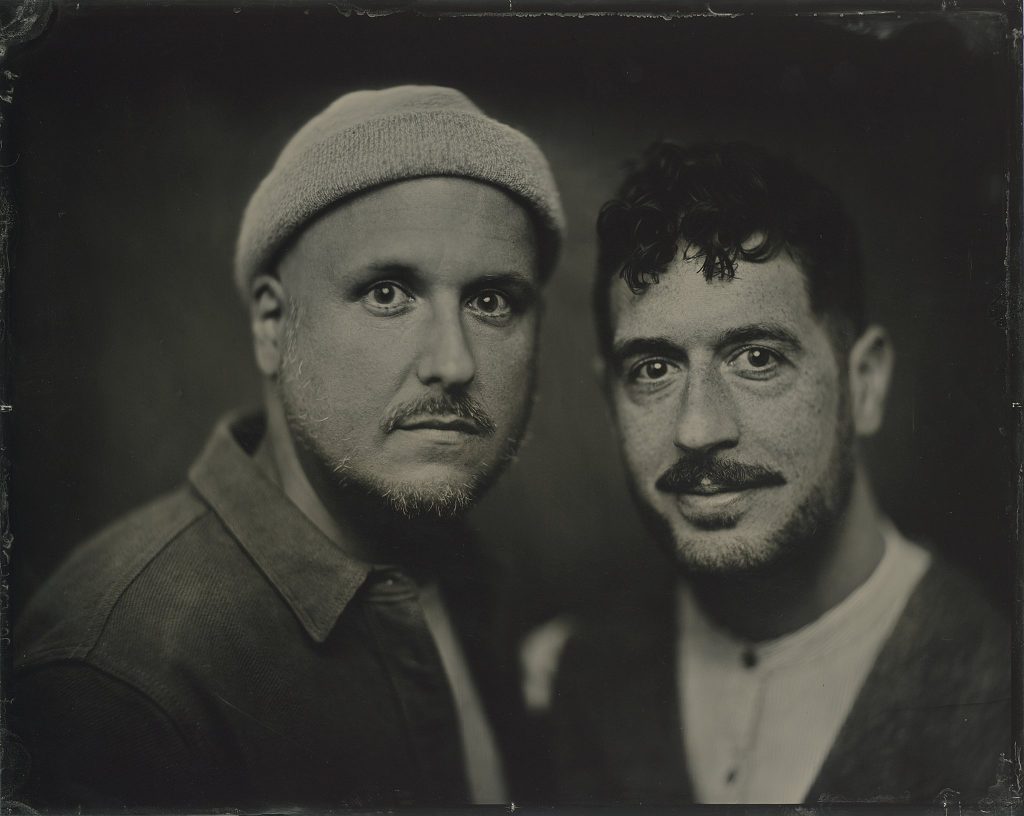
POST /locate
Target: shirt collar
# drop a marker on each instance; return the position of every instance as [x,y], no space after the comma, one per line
[315,578]
[857,616]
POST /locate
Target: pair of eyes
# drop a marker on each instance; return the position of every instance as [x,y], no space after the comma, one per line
[388,298]
[752,363]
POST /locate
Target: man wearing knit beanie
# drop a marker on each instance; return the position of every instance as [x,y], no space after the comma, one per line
[306,621]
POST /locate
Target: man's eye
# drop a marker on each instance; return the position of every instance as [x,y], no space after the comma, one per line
[491,304]
[756,363]
[650,371]
[386,297]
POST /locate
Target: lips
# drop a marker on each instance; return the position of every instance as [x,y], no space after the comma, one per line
[714,505]
[715,497]
[440,423]
[709,488]
[712,495]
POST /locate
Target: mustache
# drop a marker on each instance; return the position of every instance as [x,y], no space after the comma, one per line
[459,405]
[694,469]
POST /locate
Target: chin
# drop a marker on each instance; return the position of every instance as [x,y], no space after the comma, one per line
[427,476]
[428,492]
[449,501]
[723,552]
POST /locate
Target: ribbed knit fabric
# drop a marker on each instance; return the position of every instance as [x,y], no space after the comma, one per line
[367,139]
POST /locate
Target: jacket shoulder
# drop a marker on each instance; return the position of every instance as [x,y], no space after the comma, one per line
[933,714]
[950,622]
[66,616]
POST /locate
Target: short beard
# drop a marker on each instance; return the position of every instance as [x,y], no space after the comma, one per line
[306,410]
[803,539]
[444,502]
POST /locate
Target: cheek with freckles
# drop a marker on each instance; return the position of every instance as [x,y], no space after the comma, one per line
[794,432]
[646,439]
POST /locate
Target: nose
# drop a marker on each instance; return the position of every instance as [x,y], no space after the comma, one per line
[707,415]
[446,358]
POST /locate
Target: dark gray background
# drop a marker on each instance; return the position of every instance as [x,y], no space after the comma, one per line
[136,138]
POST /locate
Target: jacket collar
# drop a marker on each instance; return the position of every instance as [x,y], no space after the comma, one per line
[315,578]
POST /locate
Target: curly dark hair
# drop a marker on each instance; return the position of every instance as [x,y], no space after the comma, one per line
[724,203]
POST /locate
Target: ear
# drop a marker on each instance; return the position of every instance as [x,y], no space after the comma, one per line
[871,361]
[266,306]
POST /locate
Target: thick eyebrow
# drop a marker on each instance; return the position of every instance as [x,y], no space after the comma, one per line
[665,347]
[400,272]
[519,284]
[638,346]
[759,331]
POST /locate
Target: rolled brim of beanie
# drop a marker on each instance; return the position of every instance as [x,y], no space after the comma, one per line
[385,150]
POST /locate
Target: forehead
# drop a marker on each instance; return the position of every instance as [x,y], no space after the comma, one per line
[686,307]
[429,224]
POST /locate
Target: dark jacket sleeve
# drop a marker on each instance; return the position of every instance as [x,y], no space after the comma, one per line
[95,741]
[579,767]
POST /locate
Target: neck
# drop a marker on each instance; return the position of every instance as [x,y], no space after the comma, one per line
[770,603]
[361,528]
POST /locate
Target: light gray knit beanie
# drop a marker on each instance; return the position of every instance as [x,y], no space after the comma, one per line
[368,139]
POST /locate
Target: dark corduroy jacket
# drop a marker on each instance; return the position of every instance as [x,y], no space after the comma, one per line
[214,649]
[933,714]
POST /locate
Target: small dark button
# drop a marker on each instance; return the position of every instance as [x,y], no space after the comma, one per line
[749,658]
[731,776]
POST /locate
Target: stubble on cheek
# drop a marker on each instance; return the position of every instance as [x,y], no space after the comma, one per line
[800,434]
[304,396]
[807,438]
[329,431]
[646,443]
